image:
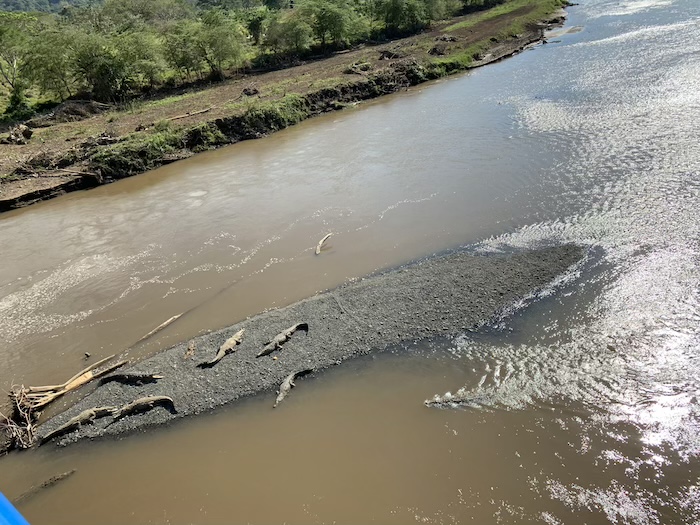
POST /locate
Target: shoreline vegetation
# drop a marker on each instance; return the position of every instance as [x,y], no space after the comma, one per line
[96,140]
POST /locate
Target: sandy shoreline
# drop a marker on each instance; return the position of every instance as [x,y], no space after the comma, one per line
[441,295]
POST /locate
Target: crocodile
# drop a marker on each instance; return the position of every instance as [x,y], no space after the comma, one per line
[288,384]
[131,379]
[191,349]
[320,244]
[281,338]
[228,347]
[143,404]
[33,491]
[86,417]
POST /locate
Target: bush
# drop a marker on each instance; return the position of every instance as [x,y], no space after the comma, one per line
[18,108]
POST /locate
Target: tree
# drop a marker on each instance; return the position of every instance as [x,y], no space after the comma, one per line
[16,30]
[331,20]
[220,42]
[256,22]
[142,51]
[475,5]
[182,51]
[404,16]
[289,31]
[132,14]
[50,62]
[442,9]
[98,63]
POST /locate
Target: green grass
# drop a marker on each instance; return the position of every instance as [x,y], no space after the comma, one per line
[278,114]
[324,83]
[539,10]
[236,105]
[137,154]
[144,151]
[167,101]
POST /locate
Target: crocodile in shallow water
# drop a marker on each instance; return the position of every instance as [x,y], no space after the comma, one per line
[288,384]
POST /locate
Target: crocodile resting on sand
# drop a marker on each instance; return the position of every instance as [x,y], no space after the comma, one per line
[282,338]
[144,404]
[86,417]
[228,347]
[131,379]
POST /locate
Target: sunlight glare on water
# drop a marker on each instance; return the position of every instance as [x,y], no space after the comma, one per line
[631,187]
[580,406]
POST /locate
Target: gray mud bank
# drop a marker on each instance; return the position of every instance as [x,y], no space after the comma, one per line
[441,295]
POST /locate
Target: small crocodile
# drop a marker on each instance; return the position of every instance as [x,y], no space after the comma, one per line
[282,338]
[228,347]
[44,485]
[320,244]
[288,384]
[131,379]
[144,404]
[191,348]
[84,418]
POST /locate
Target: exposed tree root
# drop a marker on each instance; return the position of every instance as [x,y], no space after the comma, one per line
[19,427]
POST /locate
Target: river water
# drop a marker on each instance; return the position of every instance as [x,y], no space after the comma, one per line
[583,407]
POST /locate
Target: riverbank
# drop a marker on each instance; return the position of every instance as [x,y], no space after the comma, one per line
[110,145]
[441,296]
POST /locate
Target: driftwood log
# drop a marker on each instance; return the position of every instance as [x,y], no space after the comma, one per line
[159,327]
[191,113]
[35,397]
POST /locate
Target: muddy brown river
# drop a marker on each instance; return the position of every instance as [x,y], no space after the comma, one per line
[580,407]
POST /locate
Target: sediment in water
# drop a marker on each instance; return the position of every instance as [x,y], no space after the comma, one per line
[441,295]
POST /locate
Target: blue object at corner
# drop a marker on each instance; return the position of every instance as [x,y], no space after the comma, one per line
[8,514]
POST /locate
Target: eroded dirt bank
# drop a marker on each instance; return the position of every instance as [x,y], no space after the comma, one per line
[441,295]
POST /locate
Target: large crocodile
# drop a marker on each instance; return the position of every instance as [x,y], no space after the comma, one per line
[281,338]
[131,379]
[228,347]
[144,404]
[86,417]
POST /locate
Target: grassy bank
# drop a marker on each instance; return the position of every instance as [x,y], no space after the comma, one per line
[117,144]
